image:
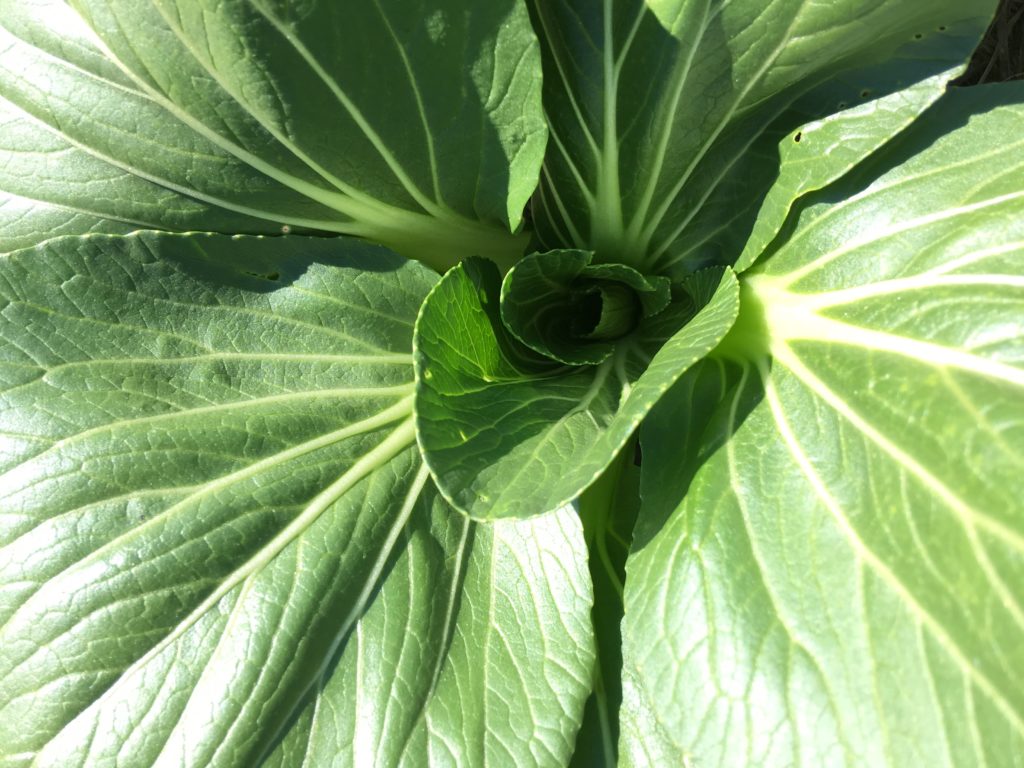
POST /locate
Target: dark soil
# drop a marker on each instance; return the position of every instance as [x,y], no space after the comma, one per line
[1000,55]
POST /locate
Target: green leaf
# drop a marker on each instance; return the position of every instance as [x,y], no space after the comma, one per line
[827,566]
[418,125]
[443,667]
[822,135]
[25,222]
[211,487]
[567,309]
[651,105]
[506,434]
[816,153]
[608,509]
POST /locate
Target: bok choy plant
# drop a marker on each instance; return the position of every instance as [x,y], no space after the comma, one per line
[507,383]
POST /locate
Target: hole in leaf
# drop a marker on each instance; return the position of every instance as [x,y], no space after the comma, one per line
[799,135]
[273,276]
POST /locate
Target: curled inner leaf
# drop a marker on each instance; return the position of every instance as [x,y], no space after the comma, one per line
[522,400]
[566,308]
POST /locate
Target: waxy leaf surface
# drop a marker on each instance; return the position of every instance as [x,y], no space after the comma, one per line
[418,124]
[218,541]
[652,104]
[827,567]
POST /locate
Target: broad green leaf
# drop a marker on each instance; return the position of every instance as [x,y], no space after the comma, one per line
[417,124]
[217,538]
[505,435]
[827,567]
[821,136]
[25,222]
[608,509]
[651,104]
[444,669]
[52,187]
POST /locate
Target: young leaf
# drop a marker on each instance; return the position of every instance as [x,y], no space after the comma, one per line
[418,124]
[507,433]
[836,551]
[216,527]
[565,308]
[652,103]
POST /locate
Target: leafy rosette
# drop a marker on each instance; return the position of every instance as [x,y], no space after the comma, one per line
[528,386]
[303,461]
